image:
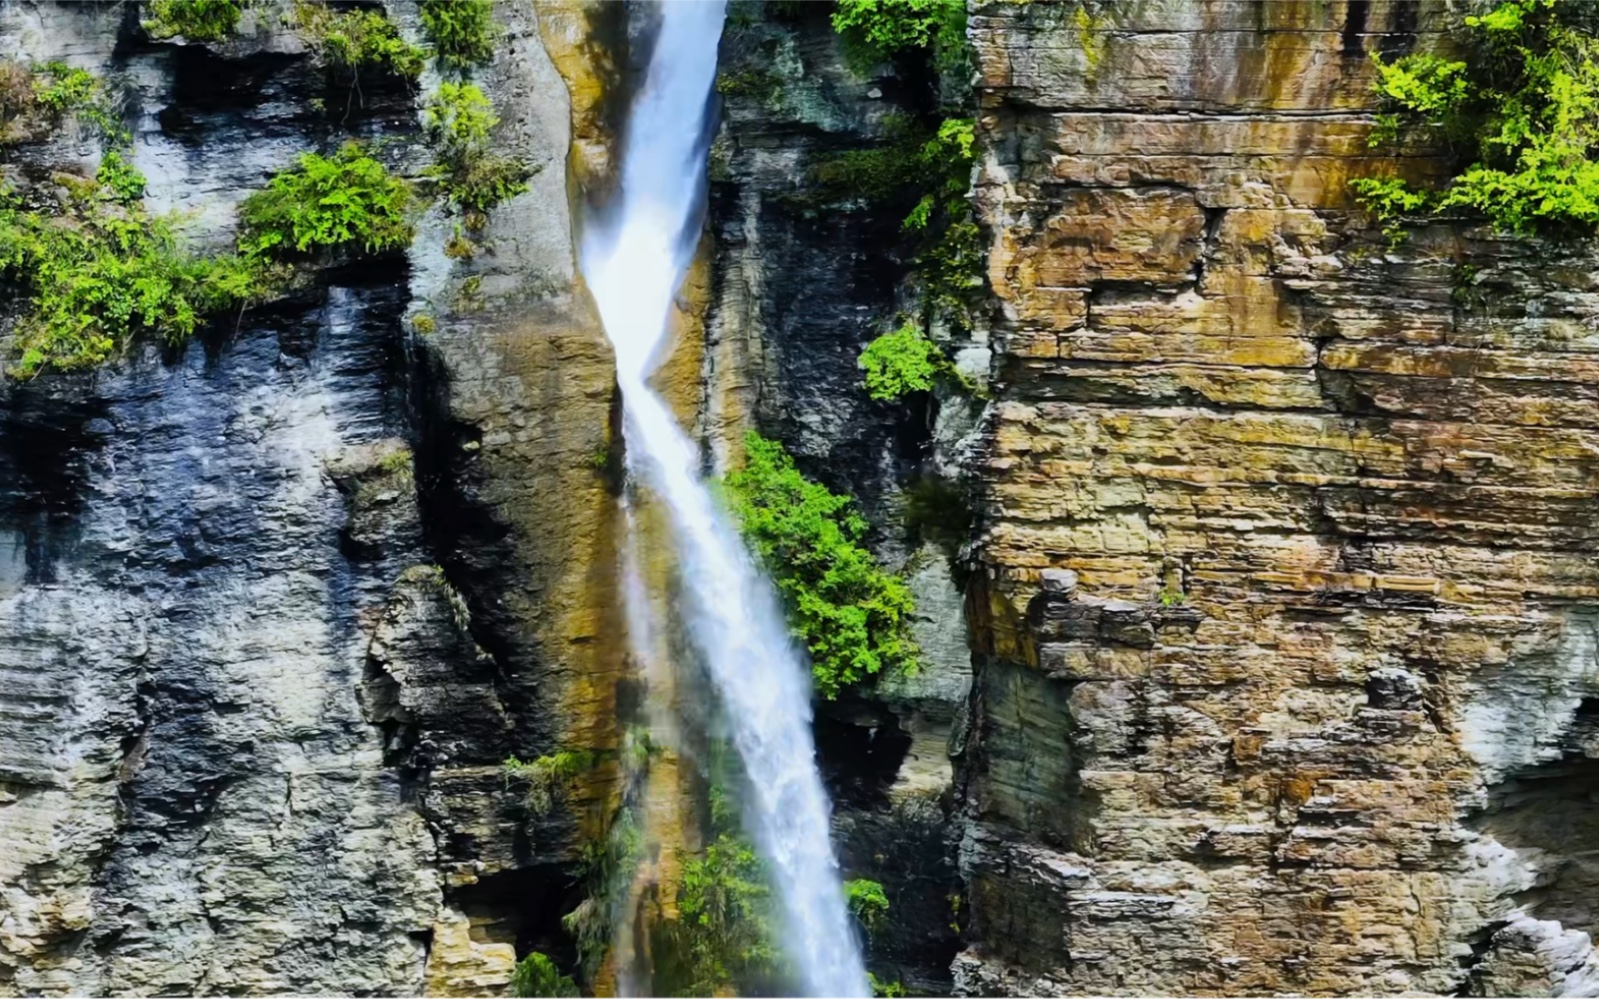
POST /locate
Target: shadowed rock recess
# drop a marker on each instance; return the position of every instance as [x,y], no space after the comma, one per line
[1269,665]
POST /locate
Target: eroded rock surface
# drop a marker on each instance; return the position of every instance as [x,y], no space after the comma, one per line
[274,607]
[1327,505]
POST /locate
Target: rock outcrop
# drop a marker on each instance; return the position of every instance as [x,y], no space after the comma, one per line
[274,607]
[1315,703]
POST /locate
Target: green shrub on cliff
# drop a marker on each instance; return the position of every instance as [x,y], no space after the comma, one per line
[900,362]
[723,901]
[878,29]
[34,101]
[945,160]
[100,271]
[1521,113]
[356,40]
[550,779]
[537,976]
[61,91]
[461,31]
[867,902]
[348,201]
[457,122]
[851,614]
[119,180]
[195,20]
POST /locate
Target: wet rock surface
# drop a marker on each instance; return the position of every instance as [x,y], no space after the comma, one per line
[800,280]
[271,611]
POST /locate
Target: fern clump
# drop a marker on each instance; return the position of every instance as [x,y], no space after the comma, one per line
[852,614]
[348,201]
[900,362]
[1521,113]
[457,122]
[462,32]
[100,271]
[195,20]
[357,40]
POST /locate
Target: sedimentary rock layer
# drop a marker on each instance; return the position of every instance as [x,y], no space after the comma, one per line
[1328,511]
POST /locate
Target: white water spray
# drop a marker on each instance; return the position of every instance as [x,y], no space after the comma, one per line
[634,268]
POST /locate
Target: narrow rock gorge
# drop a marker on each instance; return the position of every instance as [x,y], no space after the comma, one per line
[1255,631]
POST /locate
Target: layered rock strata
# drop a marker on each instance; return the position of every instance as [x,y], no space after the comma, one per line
[1286,671]
[275,606]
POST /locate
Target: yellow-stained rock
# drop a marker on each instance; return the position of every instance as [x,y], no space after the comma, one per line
[459,965]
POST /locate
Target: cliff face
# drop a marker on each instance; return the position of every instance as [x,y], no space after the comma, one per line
[1286,660]
[274,607]
[1278,669]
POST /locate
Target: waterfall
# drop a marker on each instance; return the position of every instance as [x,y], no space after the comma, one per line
[634,265]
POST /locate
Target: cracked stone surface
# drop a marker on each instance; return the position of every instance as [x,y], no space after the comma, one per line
[1329,508]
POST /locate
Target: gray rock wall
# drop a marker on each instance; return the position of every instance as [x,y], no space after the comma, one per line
[275,606]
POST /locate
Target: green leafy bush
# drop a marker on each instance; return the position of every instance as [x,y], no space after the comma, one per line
[878,29]
[851,614]
[462,31]
[101,271]
[950,259]
[950,266]
[196,20]
[61,91]
[1521,112]
[946,158]
[885,990]
[346,201]
[120,180]
[357,40]
[723,900]
[537,976]
[900,362]
[551,778]
[457,122]
[867,902]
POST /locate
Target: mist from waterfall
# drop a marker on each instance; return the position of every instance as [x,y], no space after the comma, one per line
[634,262]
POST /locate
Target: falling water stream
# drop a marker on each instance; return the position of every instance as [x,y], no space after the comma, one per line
[731,615]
